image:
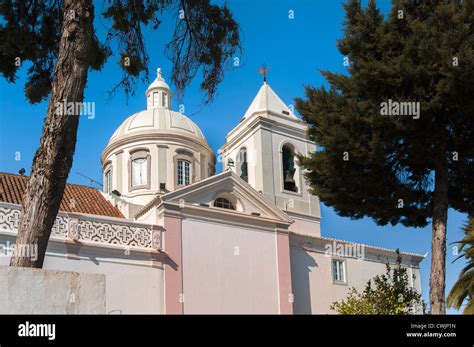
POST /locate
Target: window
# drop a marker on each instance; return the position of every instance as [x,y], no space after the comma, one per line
[183,172]
[107,181]
[139,172]
[242,164]
[164,99]
[155,99]
[139,168]
[184,165]
[288,160]
[338,271]
[223,203]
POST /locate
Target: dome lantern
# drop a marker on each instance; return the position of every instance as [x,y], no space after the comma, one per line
[159,94]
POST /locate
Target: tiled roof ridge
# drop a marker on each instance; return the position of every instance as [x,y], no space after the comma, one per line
[20,176]
[89,199]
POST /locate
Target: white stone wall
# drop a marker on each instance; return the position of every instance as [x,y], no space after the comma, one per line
[119,249]
[39,291]
[133,285]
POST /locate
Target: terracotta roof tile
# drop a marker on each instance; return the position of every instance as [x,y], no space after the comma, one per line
[79,199]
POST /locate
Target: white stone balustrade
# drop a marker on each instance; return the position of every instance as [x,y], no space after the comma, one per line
[90,228]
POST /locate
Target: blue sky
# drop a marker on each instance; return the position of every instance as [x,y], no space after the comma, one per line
[294,49]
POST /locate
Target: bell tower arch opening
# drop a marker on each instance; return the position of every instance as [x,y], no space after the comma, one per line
[288,168]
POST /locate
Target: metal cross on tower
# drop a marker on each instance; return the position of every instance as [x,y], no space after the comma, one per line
[263,71]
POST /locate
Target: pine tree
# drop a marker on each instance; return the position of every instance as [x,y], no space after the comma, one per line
[410,168]
[58,38]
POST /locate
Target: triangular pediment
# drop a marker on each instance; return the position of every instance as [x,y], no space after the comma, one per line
[228,185]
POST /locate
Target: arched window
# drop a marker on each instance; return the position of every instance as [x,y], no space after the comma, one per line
[288,160]
[184,172]
[186,168]
[224,203]
[139,166]
[242,164]
[139,172]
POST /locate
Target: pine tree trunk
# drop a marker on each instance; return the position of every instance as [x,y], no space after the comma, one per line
[438,241]
[53,159]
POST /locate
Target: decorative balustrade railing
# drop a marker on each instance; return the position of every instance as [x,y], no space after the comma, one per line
[94,229]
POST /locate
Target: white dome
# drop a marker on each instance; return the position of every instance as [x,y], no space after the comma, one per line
[159,122]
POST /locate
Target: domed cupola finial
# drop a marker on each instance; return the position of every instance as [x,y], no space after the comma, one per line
[159,94]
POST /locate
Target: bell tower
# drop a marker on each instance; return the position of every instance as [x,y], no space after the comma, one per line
[262,149]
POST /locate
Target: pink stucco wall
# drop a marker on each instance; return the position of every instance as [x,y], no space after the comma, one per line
[173,264]
[229,269]
[284,273]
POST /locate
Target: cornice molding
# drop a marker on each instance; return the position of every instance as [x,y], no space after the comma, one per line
[147,136]
[267,124]
[225,216]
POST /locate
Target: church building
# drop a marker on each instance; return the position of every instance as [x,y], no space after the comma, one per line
[172,236]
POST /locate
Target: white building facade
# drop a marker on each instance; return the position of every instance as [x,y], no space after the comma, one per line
[171,236]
